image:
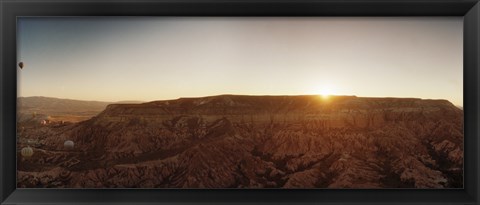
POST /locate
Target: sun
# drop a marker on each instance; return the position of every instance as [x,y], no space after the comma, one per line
[323,91]
[326,92]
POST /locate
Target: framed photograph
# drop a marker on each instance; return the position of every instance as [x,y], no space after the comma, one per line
[239,102]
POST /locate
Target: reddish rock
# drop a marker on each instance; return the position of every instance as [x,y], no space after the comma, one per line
[253,142]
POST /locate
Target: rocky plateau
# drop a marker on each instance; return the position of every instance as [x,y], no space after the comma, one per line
[236,141]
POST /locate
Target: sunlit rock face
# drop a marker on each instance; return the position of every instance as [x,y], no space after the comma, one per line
[253,142]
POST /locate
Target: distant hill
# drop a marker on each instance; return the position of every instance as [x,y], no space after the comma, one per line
[58,108]
[130,102]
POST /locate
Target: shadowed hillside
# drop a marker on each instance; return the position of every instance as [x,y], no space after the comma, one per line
[233,141]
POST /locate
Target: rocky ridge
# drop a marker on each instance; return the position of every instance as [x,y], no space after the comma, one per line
[232,141]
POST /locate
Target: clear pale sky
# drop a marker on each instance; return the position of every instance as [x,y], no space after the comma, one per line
[156,58]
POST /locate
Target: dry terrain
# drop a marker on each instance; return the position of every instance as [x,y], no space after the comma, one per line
[232,141]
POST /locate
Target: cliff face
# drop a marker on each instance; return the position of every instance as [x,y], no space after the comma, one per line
[255,142]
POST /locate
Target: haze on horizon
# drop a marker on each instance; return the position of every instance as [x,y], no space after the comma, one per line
[157,58]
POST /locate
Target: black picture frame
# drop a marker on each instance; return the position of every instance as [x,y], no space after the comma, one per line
[10,10]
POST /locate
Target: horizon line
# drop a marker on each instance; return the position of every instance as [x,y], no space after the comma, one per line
[259,95]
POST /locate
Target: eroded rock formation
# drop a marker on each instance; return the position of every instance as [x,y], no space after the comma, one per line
[253,142]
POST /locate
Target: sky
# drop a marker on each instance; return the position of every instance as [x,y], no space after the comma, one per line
[157,58]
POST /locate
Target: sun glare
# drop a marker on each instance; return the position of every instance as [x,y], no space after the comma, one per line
[326,92]
[324,96]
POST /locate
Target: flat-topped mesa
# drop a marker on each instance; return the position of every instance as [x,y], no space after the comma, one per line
[242,104]
[333,112]
[234,104]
